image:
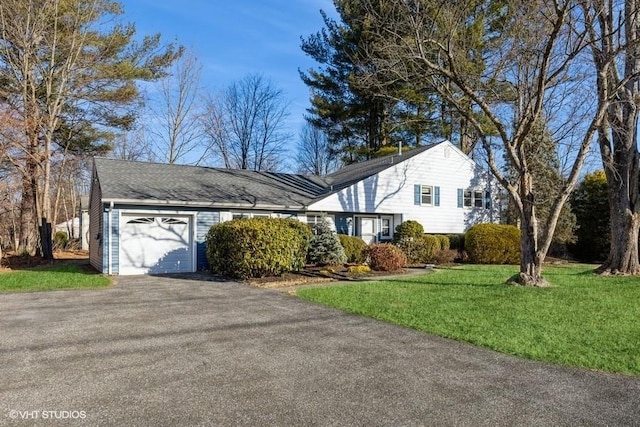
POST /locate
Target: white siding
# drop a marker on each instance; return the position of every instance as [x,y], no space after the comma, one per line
[392,191]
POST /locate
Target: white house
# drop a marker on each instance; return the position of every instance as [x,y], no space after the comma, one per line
[153,218]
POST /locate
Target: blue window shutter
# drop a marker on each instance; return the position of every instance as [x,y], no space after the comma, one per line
[460,197]
[436,196]
[417,194]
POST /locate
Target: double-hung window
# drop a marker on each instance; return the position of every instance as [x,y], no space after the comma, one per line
[385,228]
[426,195]
[474,199]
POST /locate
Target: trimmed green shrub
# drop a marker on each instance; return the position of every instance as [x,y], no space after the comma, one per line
[408,230]
[386,257]
[421,249]
[493,244]
[304,231]
[325,247]
[445,245]
[257,247]
[354,248]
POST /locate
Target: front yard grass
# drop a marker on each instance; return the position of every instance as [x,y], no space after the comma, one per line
[582,320]
[53,277]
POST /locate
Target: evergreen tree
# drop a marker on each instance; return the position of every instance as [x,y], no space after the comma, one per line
[68,65]
[590,202]
[359,119]
[325,248]
[542,159]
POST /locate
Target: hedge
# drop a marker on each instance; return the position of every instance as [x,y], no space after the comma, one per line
[354,248]
[257,247]
[493,244]
[409,229]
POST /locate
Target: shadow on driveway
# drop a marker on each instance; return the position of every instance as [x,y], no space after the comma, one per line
[187,351]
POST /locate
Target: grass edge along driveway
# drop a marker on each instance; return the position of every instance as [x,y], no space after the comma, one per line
[582,320]
[52,277]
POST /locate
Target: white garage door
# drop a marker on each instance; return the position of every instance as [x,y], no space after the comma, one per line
[155,244]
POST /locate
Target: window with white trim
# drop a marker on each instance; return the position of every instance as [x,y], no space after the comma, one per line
[477,199]
[426,195]
[240,215]
[314,220]
[385,227]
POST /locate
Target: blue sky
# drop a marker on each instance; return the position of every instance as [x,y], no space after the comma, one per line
[234,38]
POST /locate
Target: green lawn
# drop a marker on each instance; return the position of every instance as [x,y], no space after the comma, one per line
[582,320]
[49,278]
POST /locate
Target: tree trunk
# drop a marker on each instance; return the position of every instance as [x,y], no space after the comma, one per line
[531,257]
[625,222]
[618,137]
[27,230]
[623,173]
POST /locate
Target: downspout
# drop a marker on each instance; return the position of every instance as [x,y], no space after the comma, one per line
[109,250]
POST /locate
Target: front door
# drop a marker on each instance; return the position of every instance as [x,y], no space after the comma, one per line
[368,229]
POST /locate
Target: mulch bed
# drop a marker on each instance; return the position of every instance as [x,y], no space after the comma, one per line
[311,275]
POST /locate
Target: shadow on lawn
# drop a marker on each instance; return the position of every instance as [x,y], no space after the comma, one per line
[77,262]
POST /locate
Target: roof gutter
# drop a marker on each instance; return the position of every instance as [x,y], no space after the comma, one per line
[156,202]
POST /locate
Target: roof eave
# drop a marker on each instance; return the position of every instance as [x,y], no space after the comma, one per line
[222,205]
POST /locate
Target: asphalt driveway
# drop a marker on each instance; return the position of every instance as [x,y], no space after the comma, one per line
[171,351]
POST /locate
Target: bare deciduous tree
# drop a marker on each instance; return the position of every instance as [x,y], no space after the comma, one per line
[60,58]
[614,35]
[132,145]
[507,66]
[314,154]
[176,123]
[245,125]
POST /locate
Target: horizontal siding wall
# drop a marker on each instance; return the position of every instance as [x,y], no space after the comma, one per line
[204,221]
[392,192]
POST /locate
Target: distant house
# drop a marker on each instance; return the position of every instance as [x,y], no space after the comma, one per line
[78,227]
[153,218]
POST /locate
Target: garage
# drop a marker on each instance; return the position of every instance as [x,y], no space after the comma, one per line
[155,244]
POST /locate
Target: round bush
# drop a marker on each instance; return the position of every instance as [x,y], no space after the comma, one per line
[421,249]
[493,244]
[354,248]
[257,247]
[386,257]
[408,230]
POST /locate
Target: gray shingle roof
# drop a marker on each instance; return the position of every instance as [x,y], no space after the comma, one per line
[129,181]
[351,174]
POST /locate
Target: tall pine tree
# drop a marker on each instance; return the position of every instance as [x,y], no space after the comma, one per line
[67,65]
